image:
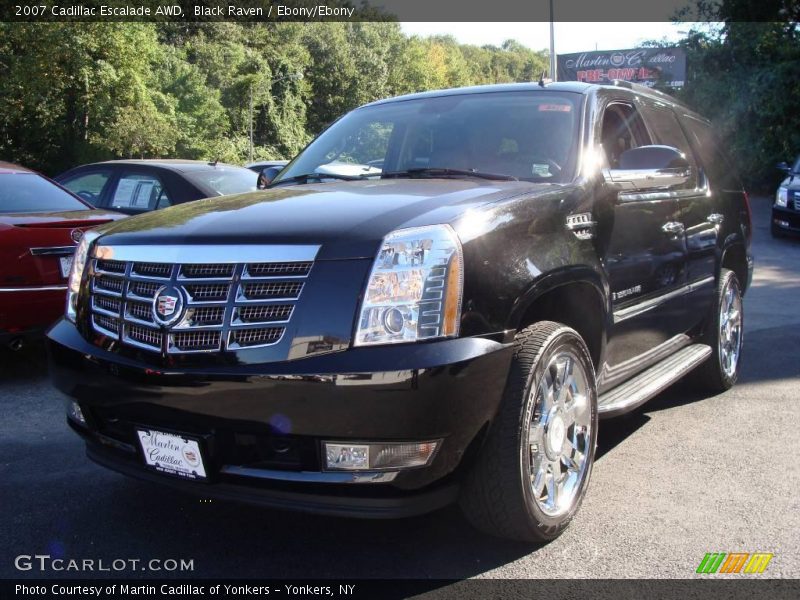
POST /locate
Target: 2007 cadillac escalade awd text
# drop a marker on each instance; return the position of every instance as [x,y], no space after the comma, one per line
[434,302]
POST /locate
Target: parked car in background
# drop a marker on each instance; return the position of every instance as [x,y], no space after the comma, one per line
[445,319]
[786,209]
[137,186]
[40,225]
[267,170]
[260,165]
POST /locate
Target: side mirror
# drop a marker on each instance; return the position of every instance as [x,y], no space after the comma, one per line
[783,166]
[649,168]
[267,175]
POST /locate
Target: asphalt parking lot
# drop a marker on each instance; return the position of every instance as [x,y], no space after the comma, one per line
[682,476]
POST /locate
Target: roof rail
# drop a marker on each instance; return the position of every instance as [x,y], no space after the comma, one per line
[643,88]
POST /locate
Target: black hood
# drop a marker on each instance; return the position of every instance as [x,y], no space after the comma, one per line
[348,219]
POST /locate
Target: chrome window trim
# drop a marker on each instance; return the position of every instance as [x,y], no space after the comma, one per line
[197,254]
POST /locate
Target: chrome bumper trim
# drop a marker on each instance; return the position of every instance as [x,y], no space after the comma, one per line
[44,288]
[312,476]
[54,251]
[217,254]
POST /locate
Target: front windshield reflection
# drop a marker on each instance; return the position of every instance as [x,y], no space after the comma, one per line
[530,136]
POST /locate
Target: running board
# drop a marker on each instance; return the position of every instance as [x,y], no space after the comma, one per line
[635,392]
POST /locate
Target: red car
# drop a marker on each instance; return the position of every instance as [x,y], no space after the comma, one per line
[40,225]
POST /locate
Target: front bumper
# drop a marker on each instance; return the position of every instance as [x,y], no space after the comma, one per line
[26,312]
[786,219]
[262,425]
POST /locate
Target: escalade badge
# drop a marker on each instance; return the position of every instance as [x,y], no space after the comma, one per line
[167,305]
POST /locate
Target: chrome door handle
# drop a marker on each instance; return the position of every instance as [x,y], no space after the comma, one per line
[715,218]
[672,227]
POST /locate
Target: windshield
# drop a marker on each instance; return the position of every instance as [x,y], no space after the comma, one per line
[30,193]
[224,180]
[526,135]
[796,167]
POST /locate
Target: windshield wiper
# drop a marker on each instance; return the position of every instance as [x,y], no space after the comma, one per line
[319,176]
[445,172]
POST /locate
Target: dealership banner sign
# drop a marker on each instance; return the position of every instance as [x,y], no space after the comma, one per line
[648,66]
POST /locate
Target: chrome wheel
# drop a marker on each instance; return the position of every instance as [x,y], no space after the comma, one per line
[730,329]
[559,434]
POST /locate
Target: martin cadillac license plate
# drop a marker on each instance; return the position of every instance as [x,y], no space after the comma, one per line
[66,265]
[172,454]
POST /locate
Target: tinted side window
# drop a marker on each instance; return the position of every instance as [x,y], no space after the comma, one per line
[666,131]
[715,162]
[136,191]
[30,193]
[622,129]
[88,186]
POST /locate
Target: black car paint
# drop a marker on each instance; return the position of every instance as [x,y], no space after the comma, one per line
[516,250]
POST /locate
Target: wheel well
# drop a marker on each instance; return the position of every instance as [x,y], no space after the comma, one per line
[578,305]
[735,259]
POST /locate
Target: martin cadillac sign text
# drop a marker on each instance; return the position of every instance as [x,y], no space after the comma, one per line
[648,66]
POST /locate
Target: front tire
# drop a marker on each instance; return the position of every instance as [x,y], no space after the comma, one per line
[725,335]
[532,473]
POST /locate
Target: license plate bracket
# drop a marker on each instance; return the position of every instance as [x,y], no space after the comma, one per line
[173,454]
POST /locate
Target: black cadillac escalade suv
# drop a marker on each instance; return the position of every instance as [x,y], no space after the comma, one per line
[435,301]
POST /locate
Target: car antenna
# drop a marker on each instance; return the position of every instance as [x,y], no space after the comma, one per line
[214,163]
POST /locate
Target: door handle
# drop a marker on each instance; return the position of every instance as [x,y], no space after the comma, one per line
[672,227]
[715,218]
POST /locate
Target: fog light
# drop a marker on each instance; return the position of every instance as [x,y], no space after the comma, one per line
[781,223]
[380,456]
[75,413]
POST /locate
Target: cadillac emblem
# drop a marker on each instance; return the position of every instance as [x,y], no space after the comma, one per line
[168,305]
[76,235]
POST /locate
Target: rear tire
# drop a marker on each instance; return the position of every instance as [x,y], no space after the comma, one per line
[534,468]
[725,335]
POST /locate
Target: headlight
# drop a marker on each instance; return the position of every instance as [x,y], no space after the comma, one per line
[76,273]
[414,289]
[781,196]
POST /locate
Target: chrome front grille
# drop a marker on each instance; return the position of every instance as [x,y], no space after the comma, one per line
[797,201]
[223,306]
[207,271]
[159,270]
[259,291]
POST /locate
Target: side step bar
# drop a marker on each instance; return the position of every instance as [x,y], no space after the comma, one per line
[635,392]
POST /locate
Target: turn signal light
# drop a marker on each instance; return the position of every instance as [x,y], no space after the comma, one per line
[344,456]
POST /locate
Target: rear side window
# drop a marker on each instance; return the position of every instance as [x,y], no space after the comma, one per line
[715,162]
[88,186]
[666,131]
[30,193]
[222,181]
[142,192]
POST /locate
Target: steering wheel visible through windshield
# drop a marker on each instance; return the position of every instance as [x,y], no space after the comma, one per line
[525,135]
